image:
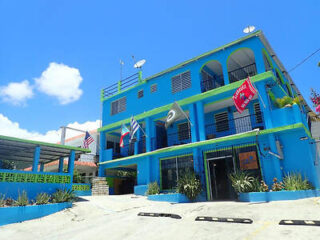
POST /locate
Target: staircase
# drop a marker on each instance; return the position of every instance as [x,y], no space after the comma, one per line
[100,186]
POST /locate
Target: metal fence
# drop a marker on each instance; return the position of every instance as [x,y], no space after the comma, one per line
[242,73]
[234,126]
[121,85]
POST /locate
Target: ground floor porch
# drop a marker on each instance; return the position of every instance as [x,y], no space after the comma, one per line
[266,154]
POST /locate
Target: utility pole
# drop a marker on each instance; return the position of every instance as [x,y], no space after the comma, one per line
[63,133]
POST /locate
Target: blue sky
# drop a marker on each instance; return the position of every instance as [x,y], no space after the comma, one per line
[86,39]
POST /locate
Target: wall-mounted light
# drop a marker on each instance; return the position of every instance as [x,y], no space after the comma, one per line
[304,138]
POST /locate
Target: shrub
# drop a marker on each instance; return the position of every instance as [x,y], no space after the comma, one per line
[263,187]
[9,202]
[294,181]
[63,196]
[22,199]
[2,200]
[42,198]
[277,186]
[242,182]
[189,185]
[153,188]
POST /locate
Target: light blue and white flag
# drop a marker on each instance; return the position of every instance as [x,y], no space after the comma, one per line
[134,126]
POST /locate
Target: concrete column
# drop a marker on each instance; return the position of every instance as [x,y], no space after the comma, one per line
[193,119]
[136,144]
[201,122]
[149,131]
[41,167]
[225,73]
[36,158]
[103,141]
[71,163]
[61,164]
[258,55]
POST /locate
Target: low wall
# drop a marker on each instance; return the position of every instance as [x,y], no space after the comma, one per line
[140,189]
[18,214]
[82,189]
[277,196]
[170,197]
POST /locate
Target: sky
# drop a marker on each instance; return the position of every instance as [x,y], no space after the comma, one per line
[56,56]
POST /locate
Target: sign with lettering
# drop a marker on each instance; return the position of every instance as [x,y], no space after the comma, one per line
[248,160]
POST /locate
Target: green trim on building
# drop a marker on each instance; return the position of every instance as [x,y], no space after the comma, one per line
[38,143]
[192,99]
[264,51]
[214,141]
[257,33]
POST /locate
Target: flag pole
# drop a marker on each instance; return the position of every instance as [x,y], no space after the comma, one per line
[184,114]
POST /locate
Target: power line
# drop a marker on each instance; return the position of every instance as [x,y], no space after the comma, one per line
[304,60]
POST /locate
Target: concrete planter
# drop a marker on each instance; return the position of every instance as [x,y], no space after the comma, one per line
[169,197]
[277,196]
[18,214]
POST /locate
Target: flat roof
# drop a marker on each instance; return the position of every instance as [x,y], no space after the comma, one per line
[17,149]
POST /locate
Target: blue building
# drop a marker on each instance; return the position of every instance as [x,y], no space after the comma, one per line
[267,139]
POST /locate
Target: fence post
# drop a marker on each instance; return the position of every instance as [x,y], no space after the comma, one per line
[119,86]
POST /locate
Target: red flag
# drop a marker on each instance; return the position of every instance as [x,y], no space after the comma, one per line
[244,95]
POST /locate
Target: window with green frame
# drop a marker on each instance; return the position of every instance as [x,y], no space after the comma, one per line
[172,168]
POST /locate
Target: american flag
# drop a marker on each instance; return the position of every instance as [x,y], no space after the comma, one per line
[87,140]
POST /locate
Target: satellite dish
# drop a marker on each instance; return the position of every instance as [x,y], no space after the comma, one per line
[249,29]
[139,64]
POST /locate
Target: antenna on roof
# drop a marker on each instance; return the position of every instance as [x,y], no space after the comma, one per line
[139,64]
[249,29]
[121,64]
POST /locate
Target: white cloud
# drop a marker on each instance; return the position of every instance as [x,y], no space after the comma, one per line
[60,81]
[13,129]
[16,93]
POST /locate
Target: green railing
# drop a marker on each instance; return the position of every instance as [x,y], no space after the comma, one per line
[81,187]
[33,178]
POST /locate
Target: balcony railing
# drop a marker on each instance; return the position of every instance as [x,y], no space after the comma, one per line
[234,126]
[121,85]
[128,149]
[172,139]
[242,73]
[212,83]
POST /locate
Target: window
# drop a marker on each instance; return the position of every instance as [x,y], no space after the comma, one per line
[154,88]
[183,131]
[118,106]
[222,122]
[140,94]
[181,82]
[258,113]
[172,168]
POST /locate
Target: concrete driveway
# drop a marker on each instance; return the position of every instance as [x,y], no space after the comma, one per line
[115,217]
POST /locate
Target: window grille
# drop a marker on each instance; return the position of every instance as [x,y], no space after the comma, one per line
[118,106]
[181,82]
[154,88]
[183,131]
[258,113]
[173,168]
[222,122]
[140,94]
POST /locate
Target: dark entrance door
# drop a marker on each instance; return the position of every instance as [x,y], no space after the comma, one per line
[161,133]
[219,170]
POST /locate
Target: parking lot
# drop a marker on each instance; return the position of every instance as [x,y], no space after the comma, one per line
[116,217]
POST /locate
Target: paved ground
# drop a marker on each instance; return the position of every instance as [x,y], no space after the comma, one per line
[115,217]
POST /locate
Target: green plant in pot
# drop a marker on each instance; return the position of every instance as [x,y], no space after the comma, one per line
[243,182]
[190,185]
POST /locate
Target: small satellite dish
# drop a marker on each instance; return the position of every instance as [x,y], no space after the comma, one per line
[249,29]
[139,64]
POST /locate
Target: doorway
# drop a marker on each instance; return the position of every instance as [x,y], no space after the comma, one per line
[220,186]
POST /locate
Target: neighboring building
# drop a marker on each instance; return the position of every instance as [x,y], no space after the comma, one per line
[85,164]
[22,167]
[266,140]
